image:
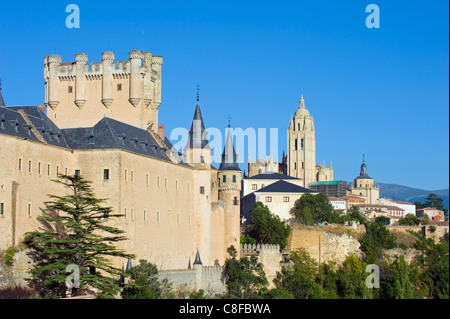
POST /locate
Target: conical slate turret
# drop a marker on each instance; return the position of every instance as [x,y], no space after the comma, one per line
[197,260]
[229,156]
[198,137]
[2,102]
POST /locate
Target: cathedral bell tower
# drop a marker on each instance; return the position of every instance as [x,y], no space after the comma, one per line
[301,154]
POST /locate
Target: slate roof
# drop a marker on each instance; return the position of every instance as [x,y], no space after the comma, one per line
[229,157]
[2,102]
[198,137]
[272,175]
[109,134]
[13,123]
[284,187]
[106,134]
[197,260]
[47,129]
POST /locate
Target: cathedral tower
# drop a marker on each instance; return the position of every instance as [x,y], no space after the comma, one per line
[301,154]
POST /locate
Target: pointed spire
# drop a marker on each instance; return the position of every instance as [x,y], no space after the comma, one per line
[197,260]
[198,137]
[363,171]
[302,102]
[129,266]
[2,102]
[229,157]
[189,264]
[198,93]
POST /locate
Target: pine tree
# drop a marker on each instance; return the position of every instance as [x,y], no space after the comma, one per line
[75,235]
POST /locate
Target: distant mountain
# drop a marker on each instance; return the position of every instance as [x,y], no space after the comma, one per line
[409,194]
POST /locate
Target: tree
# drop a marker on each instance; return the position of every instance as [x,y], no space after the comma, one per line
[434,201]
[245,278]
[418,204]
[317,208]
[356,215]
[298,279]
[376,238]
[145,283]
[267,228]
[383,220]
[402,279]
[75,233]
[351,279]
[425,220]
[409,220]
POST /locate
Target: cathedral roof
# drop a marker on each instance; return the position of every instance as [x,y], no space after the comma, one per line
[229,157]
[302,111]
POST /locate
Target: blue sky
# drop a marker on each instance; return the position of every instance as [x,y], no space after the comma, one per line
[382,92]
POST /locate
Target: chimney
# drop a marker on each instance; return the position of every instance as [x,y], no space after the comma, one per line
[42,108]
[161,131]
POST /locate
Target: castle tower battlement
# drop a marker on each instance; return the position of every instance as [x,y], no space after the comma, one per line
[79,95]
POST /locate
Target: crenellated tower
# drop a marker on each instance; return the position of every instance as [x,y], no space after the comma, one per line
[79,95]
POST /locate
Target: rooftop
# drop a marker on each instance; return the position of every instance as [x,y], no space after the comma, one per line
[284,187]
[272,175]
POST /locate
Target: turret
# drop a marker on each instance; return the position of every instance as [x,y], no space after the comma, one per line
[107,84]
[148,84]
[51,64]
[229,191]
[198,266]
[135,87]
[157,62]
[2,102]
[197,150]
[80,79]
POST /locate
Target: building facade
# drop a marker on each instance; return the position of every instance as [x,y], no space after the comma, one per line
[432,213]
[171,208]
[279,197]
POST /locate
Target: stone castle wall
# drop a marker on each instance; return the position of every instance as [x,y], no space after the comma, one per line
[323,245]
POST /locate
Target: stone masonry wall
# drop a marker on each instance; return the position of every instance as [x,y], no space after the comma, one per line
[323,245]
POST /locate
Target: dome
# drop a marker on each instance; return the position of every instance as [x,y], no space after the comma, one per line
[302,111]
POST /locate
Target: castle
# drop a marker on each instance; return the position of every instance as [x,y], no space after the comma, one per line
[101,122]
